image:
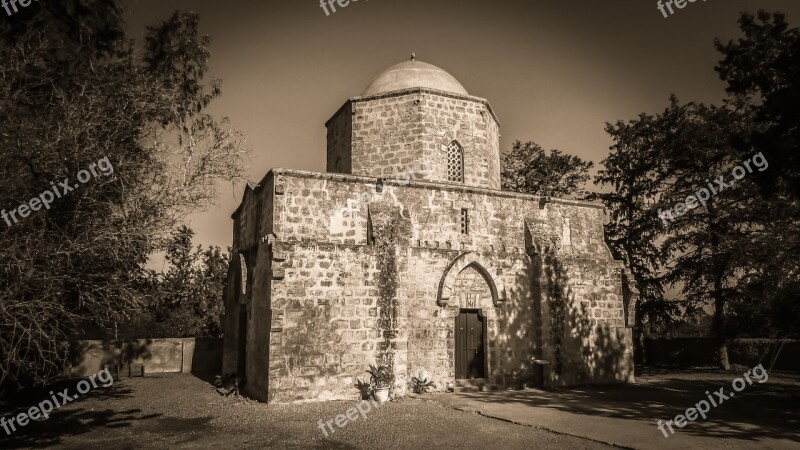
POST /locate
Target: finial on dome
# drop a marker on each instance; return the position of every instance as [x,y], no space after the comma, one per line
[413,56]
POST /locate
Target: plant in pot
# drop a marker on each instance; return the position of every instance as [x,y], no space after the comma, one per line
[365,388]
[421,382]
[382,378]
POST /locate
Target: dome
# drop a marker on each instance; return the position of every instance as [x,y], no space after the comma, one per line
[412,74]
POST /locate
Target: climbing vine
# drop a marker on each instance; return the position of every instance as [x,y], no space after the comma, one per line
[386,243]
[558,305]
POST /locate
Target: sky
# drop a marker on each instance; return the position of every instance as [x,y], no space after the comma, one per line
[554,71]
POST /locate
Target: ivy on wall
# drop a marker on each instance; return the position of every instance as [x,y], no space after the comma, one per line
[557,302]
[386,243]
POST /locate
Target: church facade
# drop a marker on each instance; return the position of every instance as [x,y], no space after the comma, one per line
[406,252]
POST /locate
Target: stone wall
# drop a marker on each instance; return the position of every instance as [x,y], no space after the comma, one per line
[684,352]
[396,133]
[595,344]
[340,139]
[230,320]
[169,355]
[249,288]
[321,310]
[326,310]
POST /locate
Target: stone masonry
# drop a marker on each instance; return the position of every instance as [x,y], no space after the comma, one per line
[374,260]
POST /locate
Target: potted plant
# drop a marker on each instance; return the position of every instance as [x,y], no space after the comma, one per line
[364,388]
[382,378]
[421,382]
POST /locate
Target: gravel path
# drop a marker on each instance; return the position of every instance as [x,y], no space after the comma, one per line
[167,411]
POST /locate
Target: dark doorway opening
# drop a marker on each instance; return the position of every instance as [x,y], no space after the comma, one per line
[241,357]
[470,352]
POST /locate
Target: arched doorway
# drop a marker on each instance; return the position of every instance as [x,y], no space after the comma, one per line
[471,292]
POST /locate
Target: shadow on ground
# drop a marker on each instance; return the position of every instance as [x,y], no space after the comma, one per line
[767,410]
[72,421]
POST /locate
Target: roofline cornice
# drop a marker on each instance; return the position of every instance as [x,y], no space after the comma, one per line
[415,90]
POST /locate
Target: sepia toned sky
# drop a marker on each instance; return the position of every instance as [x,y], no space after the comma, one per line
[555,71]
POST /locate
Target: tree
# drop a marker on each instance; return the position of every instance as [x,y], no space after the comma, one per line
[762,72]
[701,240]
[529,169]
[665,206]
[659,162]
[737,249]
[635,171]
[186,300]
[75,89]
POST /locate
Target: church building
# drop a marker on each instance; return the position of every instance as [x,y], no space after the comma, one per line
[406,252]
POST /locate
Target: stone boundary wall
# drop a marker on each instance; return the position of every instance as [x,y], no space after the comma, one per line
[170,355]
[702,352]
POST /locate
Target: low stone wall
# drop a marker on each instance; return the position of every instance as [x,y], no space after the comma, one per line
[170,355]
[702,352]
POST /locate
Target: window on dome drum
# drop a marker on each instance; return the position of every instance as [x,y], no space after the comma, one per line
[455,162]
[464,221]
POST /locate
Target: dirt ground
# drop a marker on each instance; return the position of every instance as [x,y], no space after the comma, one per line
[167,411]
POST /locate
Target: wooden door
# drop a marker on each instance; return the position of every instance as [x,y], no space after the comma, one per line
[469,346]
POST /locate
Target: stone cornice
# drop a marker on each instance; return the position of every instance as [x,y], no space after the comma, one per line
[452,187]
[416,90]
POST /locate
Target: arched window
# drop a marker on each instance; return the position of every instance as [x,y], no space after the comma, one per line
[243,271]
[455,162]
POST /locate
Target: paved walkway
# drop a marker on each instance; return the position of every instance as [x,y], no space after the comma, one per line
[761,416]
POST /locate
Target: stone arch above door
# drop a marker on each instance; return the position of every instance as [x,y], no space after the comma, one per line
[460,263]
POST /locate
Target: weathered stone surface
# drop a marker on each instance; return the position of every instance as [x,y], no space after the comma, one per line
[328,298]
[336,271]
[407,132]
